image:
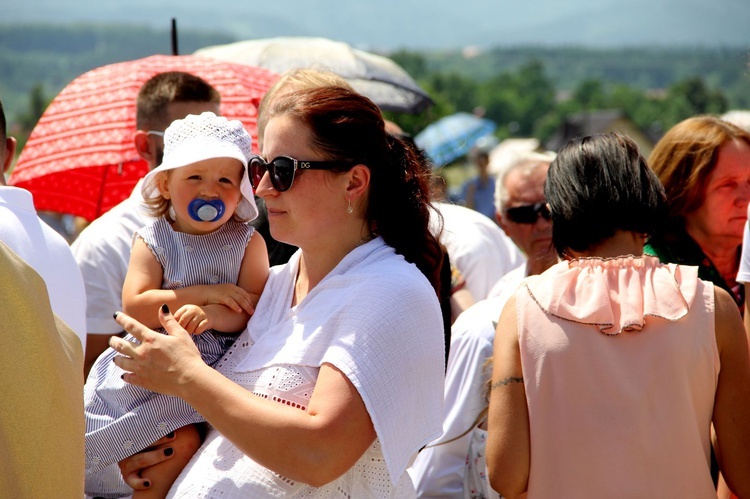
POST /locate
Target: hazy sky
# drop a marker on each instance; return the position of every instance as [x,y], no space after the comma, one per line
[426,23]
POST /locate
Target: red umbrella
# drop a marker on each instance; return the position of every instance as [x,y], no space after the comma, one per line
[80,157]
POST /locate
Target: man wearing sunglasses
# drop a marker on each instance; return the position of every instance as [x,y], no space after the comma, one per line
[522,213]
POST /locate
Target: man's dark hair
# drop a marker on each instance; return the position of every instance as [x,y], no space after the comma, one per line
[163,89]
[3,124]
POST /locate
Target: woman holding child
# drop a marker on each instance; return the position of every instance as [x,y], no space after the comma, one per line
[337,381]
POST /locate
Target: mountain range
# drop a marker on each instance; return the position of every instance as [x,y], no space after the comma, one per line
[425,24]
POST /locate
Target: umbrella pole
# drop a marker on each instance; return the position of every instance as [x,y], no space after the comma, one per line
[175,49]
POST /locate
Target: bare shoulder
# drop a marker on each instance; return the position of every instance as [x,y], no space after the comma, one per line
[725,305]
[506,344]
[256,248]
[506,325]
[729,326]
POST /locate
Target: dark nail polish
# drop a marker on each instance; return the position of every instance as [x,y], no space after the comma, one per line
[122,376]
[114,316]
[168,451]
[147,484]
[170,434]
[164,309]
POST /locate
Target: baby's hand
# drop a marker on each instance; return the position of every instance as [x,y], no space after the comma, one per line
[231,296]
[193,319]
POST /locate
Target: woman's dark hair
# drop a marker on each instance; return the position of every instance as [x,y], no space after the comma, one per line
[346,126]
[600,184]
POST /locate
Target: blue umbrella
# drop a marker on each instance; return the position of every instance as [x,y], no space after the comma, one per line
[452,136]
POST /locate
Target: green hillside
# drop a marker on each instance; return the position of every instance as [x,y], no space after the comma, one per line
[521,87]
[53,55]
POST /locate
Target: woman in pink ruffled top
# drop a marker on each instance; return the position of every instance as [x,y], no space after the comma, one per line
[610,369]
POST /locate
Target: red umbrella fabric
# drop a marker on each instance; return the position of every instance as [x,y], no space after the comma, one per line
[80,158]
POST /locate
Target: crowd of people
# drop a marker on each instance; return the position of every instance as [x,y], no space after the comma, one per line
[311,320]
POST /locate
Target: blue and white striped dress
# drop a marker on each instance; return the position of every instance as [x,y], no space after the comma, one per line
[123,419]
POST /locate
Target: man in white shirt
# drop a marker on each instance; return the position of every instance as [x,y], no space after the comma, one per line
[102,250]
[40,245]
[521,212]
[477,247]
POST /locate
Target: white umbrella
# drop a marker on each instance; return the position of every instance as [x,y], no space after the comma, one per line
[375,76]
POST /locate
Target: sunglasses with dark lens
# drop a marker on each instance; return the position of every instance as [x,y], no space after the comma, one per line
[282,170]
[528,213]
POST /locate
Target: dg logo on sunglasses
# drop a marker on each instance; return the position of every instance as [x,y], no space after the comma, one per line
[282,169]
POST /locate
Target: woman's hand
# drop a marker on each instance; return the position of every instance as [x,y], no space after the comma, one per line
[132,467]
[163,363]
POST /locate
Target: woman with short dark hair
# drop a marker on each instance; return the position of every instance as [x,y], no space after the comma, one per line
[610,368]
[604,188]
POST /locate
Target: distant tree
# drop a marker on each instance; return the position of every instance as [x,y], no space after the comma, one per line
[547,125]
[27,120]
[461,91]
[415,123]
[682,100]
[647,111]
[497,97]
[697,97]
[537,95]
[591,94]
[516,100]
[414,63]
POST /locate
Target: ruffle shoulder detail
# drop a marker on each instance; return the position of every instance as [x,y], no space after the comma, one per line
[615,294]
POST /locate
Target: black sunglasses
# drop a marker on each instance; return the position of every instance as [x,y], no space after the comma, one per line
[282,170]
[528,213]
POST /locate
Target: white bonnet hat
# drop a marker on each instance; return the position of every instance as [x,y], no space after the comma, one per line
[206,136]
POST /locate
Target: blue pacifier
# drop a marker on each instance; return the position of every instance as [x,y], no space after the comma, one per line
[201,210]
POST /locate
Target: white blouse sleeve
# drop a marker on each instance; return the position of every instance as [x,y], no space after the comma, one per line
[743,275]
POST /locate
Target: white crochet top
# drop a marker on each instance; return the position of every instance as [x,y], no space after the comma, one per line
[376,318]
